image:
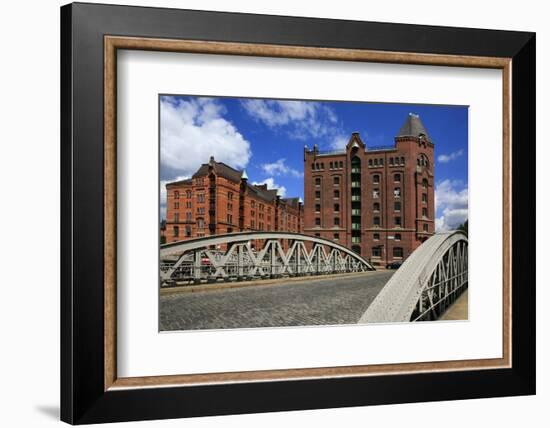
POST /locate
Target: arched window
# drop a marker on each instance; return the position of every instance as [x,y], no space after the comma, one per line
[376,162]
[336,180]
[397,178]
[402,160]
[176,194]
[376,178]
[370,162]
[424,183]
[330,165]
[341,164]
[376,206]
[317,181]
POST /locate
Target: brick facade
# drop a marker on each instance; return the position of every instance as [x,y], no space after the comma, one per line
[218,199]
[377,201]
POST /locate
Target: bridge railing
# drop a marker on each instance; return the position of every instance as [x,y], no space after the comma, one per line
[281,254]
[429,281]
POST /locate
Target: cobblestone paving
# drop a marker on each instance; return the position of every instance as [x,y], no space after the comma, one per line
[315,302]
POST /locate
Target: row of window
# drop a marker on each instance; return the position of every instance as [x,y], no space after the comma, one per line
[335,181]
[320,166]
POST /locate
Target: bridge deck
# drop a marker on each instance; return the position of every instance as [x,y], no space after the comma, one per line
[458,310]
[319,301]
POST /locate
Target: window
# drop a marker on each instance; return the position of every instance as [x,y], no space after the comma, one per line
[229,207]
[376,193]
[230,196]
[317,194]
[424,212]
[200,210]
[402,160]
[424,198]
[391,161]
[336,221]
[376,252]
[397,206]
[176,231]
[336,181]
[425,228]
[356,240]
[336,236]
[398,252]
[262,207]
[200,197]
[188,194]
[317,221]
[188,204]
[317,181]
[376,237]
[252,224]
[397,192]
[376,206]
[341,165]
[397,237]
[176,217]
[330,165]
[424,183]
[397,178]
[176,194]
[336,208]
[322,165]
[397,221]
[176,205]
[376,221]
[370,162]
[317,207]
[318,235]
[188,216]
[187,231]
[200,223]
[376,178]
[230,218]
[253,213]
[376,162]
[337,194]
[313,167]
[382,162]
[252,204]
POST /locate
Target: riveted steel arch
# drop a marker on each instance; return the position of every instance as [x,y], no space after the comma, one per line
[427,283]
[198,259]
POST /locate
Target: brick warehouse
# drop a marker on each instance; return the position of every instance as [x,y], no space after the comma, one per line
[377,201]
[218,199]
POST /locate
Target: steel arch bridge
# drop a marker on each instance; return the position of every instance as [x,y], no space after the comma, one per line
[427,283]
[195,260]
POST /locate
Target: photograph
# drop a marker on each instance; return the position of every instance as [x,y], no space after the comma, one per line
[290,212]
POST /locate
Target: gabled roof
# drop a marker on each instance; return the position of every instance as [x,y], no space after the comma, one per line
[413,127]
[220,169]
[263,192]
[187,181]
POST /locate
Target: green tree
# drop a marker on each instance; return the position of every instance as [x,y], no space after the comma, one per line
[464,227]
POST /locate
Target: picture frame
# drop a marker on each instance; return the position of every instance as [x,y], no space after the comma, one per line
[91,391]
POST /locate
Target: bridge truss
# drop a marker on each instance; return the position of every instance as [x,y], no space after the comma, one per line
[234,257]
[427,283]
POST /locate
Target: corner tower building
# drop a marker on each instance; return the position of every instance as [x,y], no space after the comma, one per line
[378,201]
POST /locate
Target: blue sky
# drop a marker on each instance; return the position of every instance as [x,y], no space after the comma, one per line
[266,137]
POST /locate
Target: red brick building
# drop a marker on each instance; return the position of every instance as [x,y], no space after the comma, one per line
[377,201]
[218,199]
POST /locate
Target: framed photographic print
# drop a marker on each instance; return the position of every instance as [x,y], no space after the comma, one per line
[264,213]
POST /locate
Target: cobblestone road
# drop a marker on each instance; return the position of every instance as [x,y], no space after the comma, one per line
[316,302]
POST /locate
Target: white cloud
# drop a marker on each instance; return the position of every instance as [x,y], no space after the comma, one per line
[300,120]
[193,130]
[443,158]
[279,167]
[281,190]
[451,201]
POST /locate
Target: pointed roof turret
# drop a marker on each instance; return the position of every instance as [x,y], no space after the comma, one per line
[413,127]
[244,175]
